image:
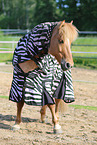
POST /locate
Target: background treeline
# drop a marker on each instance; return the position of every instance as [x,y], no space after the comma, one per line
[25,14]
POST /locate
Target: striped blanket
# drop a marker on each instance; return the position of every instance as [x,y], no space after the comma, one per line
[43,85]
[46,82]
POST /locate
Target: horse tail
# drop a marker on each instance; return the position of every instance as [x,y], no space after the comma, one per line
[63,107]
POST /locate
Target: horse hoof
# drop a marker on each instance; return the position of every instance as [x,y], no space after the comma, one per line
[42,121]
[43,118]
[57,129]
[15,127]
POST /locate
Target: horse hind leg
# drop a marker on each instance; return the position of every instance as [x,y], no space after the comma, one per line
[20,105]
[57,108]
[43,113]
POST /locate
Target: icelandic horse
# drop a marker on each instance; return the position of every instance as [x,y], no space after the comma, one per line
[62,36]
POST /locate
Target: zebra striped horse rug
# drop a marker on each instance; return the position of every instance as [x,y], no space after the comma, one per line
[47,82]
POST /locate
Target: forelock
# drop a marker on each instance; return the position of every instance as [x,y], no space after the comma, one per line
[69,31]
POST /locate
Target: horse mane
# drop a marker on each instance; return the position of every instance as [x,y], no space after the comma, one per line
[68,31]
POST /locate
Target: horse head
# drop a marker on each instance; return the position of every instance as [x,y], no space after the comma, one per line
[62,37]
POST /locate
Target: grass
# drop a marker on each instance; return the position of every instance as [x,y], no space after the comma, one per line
[6,57]
[4,97]
[85,63]
[83,59]
[84,107]
[74,106]
[79,60]
[8,38]
[85,41]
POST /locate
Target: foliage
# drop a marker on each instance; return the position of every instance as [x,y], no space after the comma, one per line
[45,11]
[16,13]
[24,14]
[82,12]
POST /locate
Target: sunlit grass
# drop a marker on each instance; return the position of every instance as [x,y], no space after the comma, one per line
[86,40]
[79,59]
[6,57]
[4,97]
[84,107]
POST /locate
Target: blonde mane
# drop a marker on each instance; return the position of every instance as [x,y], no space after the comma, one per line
[68,31]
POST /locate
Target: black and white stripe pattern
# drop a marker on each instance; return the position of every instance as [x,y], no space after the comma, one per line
[48,80]
[16,92]
[27,47]
[31,44]
[48,84]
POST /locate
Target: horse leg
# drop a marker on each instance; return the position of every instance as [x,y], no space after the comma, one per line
[57,127]
[57,108]
[43,113]
[18,117]
[19,110]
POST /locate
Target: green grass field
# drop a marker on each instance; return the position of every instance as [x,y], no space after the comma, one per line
[84,107]
[79,60]
[86,60]
[7,57]
[85,41]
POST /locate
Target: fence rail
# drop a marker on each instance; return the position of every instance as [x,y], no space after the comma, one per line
[14,42]
[21,31]
[88,32]
[83,45]
[8,41]
[6,51]
[84,52]
[18,31]
[13,31]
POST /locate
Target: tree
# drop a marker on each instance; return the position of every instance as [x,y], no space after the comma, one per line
[70,10]
[25,14]
[45,10]
[82,12]
[88,17]
[15,13]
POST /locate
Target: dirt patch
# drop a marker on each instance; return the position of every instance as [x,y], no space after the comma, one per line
[79,125]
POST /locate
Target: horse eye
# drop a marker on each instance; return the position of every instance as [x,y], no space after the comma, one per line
[61,41]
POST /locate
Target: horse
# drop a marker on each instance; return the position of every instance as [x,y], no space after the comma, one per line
[62,36]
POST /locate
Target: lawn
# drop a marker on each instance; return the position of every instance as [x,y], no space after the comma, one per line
[80,59]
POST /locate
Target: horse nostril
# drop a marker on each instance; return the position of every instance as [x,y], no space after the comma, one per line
[68,65]
[65,65]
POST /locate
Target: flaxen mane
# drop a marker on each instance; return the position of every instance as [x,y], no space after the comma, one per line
[68,31]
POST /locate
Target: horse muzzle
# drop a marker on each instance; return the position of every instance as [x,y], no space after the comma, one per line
[65,65]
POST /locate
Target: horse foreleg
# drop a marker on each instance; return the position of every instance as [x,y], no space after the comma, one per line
[57,127]
[19,110]
[18,117]
[52,109]
[43,113]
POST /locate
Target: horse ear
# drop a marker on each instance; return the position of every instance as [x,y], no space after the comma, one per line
[62,24]
[71,22]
